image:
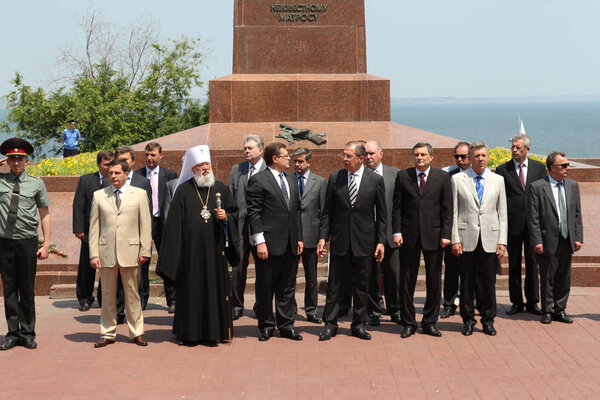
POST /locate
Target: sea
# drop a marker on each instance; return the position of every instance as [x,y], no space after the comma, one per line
[570,126]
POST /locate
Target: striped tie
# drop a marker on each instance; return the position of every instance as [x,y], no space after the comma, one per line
[352,190]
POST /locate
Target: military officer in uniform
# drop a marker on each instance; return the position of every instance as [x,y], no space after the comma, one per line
[21,196]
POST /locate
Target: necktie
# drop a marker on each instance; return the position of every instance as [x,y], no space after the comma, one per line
[301,185]
[422,181]
[352,190]
[284,190]
[479,188]
[118,199]
[522,176]
[252,170]
[562,209]
[154,184]
[14,205]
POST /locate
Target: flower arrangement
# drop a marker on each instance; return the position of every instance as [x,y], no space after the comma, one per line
[80,164]
[52,249]
[500,155]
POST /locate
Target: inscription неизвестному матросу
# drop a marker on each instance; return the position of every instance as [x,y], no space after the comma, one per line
[298,12]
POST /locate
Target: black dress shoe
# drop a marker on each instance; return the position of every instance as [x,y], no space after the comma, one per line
[374,320]
[236,313]
[314,319]
[85,306]
[533,309]
[9,343]
[103,343]
[361,333]
[431,330]
[29,343]
[448,312]
[467,330]
[265,334]
[515,308]
[140,340]
[407,332]
[327,334]
[396,319]
[489,329]
[290,334]
[546,318]
[563,317]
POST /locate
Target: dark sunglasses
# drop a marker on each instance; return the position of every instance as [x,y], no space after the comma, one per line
[563,166]
[461,156]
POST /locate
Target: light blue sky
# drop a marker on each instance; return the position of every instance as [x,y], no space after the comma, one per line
[460,48]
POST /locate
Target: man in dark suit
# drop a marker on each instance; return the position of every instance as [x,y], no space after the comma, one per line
[128,154]
[556,232]
[158,177]
[82,203]
[354,217]
[451,262]
[238,183]
[390,266]
[276,237]
[422,224]
[311,188]
[519,173]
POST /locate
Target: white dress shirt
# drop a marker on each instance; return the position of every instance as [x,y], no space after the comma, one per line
[554,186]
[259,237]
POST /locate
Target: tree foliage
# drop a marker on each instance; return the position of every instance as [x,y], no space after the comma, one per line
[119,94]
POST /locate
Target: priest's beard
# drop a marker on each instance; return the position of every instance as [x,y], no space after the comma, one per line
[205,181]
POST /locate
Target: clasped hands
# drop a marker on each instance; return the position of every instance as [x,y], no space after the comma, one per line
[379,250]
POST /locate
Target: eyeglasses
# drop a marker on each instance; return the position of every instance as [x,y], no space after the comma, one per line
[347,156]
[563,166]
[461,156]
[287,157]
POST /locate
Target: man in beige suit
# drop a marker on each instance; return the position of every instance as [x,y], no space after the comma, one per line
[479,235]
[120,241]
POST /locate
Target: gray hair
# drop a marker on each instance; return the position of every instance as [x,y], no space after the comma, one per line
[303,150]
[476,146]
[259,141]
[359,147]
[423,144]
[521,136]
[459,144]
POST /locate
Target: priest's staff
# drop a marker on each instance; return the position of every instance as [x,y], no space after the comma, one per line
[227,283]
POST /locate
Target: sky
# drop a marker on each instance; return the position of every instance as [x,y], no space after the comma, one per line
[427,48]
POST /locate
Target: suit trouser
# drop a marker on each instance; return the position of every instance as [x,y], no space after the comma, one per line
[409,272]
[18,263]
[515,245]
[347,273]
[108,318]
[156,236]
[86,275]
[309,262]
[555,276]
[239,274]
[451,277]
[474,265]
[276,276]
[390,268]
[375,306]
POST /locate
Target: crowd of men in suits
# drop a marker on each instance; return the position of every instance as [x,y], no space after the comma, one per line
[379,222]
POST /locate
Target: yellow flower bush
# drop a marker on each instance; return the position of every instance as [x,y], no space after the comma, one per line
[81,164]
[500,155]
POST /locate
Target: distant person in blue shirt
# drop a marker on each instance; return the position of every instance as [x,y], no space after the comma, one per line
[71,138]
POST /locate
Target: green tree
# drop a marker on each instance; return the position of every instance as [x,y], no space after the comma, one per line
[137,93]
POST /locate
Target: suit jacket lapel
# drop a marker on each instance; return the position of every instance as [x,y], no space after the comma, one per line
[471,186]
[110,198]
[412,176]
[275,183]
[512,171]
[127,194]
[548,190]
[309,184]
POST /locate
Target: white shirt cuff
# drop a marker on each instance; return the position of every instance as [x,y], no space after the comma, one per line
[257,239]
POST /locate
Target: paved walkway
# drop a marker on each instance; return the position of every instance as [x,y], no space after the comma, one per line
[527,360]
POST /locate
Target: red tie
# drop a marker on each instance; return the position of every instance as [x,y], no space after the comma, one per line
[522,176]
[422,181]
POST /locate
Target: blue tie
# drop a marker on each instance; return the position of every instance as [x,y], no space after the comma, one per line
[479,188]
[301,185]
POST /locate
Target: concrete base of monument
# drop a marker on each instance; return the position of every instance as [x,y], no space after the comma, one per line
[226,142]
